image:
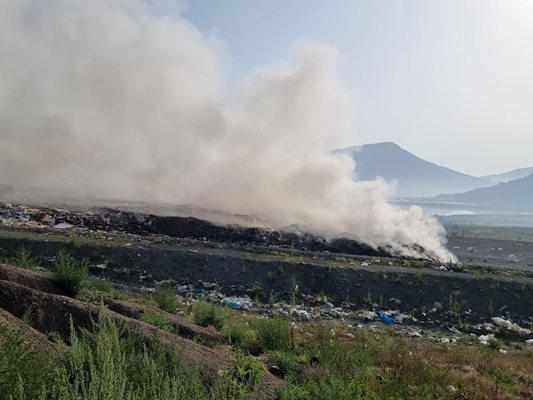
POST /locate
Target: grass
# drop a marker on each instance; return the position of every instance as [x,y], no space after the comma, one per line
[159,321]
[70,273]
[384,366]
[101,284]
[107,363]
[273,334]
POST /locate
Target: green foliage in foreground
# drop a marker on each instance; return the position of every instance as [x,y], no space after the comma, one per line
[23,259]
[69,273]
[158,321]
[102,285]
[209,314]
[165,297]
[105,363]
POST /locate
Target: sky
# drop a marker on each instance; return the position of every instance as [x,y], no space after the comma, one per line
[451,81]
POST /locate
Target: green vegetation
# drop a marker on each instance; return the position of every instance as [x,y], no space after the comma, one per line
[209,314]
[101,284]
[105,363]
[159,321]
[273,334]
[165,297]
[384,366]
[24,369]
[23,259]
[317,360]
[69,273]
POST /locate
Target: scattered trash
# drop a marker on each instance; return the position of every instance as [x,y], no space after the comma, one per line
[485,339]
[63,225]
[239,303]
[451,389]
[386,319]
[510,326]
[513,259]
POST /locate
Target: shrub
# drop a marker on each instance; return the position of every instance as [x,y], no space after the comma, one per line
[239,333]
[25,366]
[69,273]
[273,334]
[165,296]
[106,363]
[22,259]
[248,374]
[206,314]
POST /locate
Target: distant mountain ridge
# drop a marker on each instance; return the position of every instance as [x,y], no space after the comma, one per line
[514,194]
[510,176]
[416,177]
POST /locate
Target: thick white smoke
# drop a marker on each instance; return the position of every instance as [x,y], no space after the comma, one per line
[116,98]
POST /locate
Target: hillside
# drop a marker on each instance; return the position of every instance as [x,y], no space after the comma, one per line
[416,177]
[511,195]
[510,176]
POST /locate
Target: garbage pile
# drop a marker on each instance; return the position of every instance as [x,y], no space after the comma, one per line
[109,220]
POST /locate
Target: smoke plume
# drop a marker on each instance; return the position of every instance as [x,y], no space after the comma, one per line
[122,99]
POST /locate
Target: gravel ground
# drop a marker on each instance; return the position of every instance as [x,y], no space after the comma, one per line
[493,253]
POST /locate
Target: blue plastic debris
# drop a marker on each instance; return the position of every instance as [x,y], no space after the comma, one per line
[200,292]
[386,319]
[232,304]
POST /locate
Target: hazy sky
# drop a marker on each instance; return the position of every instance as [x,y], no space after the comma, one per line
[450,80]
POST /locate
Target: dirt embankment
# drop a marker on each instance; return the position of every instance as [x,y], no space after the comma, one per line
[35,298]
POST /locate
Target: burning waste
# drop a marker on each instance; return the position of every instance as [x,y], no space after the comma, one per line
[123,100]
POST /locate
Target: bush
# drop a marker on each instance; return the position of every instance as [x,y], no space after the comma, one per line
[165,297]
[69,273]
[273,334]
[25,367]
[108,363]
[248,374]
[22,259]
[239,333]
[206,314]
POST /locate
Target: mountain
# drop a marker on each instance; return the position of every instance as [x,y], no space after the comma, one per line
[416,177]
[510,176]
[517,194]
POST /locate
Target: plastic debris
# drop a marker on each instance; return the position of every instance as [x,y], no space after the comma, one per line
[63,225]
[239,303]
[512,258]
[510,326]
[386,319]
